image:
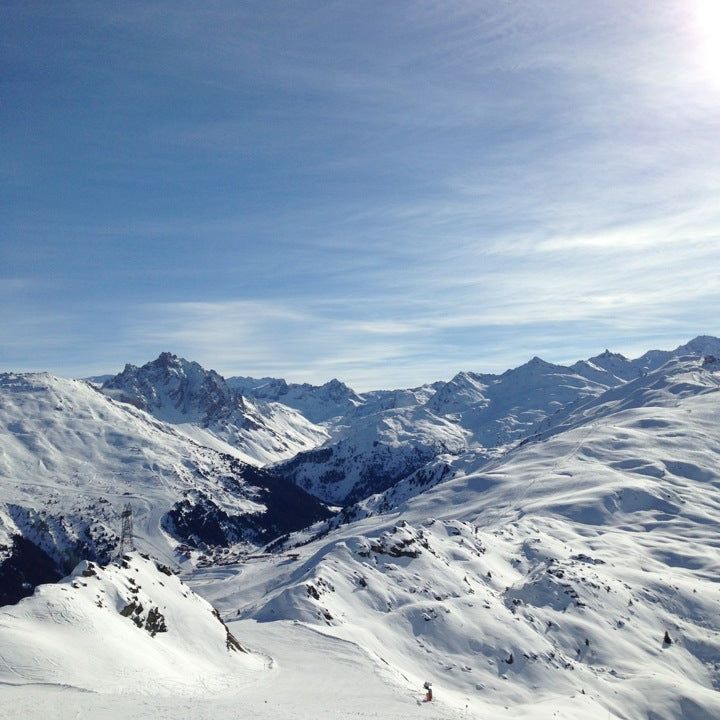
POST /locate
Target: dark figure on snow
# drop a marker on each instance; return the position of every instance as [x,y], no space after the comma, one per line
[428,691]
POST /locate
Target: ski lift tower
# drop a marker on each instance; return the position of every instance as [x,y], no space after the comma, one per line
[127,543]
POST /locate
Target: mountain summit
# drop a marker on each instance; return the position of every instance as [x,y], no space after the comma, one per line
[184,393]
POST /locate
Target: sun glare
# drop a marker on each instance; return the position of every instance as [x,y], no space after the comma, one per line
[707,17]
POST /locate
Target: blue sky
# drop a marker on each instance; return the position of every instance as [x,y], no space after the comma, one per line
[382,192]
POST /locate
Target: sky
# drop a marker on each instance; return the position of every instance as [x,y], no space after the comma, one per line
[383,192]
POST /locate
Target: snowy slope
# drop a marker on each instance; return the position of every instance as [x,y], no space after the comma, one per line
[70,458]
[373,448]
[374,453]
[184,393]
[312,676]
[380,400]
[484,412]
[333,403]
[538,583]
[369,442]
[615,365]
[698,347]
[132,626]
[680,377]
[552,575]
[498,409]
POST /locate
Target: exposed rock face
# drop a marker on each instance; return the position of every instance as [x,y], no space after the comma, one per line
[25,566]
[177,391]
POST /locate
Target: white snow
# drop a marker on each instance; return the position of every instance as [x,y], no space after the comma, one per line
[94,631]
[69,451]
[573,555]
[208,409]
[377,449]
[537,581]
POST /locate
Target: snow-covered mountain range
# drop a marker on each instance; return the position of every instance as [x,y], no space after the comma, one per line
[344,446]
[540,543]
[553,572]
[316,403]
[71,458]
[378,443]
[203,405]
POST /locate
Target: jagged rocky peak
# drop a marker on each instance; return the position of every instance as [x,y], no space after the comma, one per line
[167,359]
[607,355]
[337,390]
[172,388]
[182,392]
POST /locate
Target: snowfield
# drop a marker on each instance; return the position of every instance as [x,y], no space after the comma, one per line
[571,572]
[552,573]
[127,627]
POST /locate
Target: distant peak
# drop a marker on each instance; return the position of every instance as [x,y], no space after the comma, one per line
[535,362]
[704,338]
[167,358]
[701,343]
[609,355]
[463,375]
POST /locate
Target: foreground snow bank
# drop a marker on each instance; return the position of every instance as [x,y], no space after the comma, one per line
[130,627]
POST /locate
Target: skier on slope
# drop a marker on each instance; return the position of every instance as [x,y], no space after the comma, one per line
[428,691]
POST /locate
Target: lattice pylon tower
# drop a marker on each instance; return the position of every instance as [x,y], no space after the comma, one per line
[127,542]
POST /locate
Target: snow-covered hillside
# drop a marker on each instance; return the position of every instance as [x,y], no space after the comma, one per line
[71,457]
[368,442]
[499,409]
[184,393]
[131,626]
[394,434]
[611,368]
[374,453]
[389,435]
[553,573]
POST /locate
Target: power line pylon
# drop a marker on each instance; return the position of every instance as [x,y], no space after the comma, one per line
[127,542]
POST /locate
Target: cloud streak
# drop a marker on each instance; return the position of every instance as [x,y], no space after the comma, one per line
[387,192]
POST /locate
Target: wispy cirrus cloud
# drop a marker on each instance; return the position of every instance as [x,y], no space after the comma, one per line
[385,192]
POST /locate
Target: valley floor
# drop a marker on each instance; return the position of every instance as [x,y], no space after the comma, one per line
[313,677]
